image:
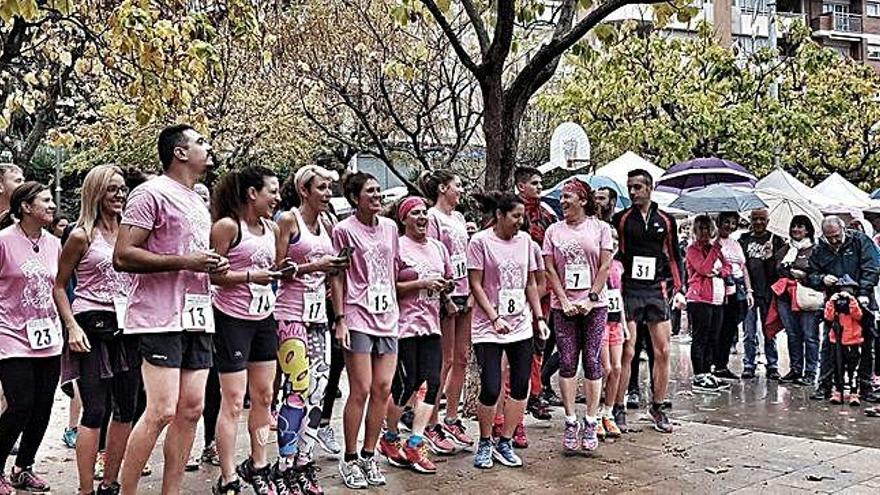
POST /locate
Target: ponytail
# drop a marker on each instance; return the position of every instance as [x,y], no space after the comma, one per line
[231,192]
[431,180]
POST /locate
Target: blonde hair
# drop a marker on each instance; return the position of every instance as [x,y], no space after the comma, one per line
[703,220]
[92,193]
[9,167]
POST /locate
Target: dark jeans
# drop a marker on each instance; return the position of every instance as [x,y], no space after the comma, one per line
[734,311]
[866,359]
[802,330]
[29,385]
[750,340]
[705,322]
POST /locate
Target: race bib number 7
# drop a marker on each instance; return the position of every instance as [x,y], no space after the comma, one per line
[43,333]
[197,314]
[577,277]
[644,268]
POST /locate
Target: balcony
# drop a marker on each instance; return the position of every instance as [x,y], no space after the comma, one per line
[835,21]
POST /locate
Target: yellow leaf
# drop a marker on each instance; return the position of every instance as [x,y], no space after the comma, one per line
[66,58]
[31,79]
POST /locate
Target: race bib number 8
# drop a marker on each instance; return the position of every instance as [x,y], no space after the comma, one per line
[644,268]
[615,301]
[314,307]
[577,277]
[262,300]
[43,333]
[380,299]
[197,313]
[511,302]
[459,266]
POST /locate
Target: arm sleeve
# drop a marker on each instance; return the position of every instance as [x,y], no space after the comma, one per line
[476,255]
[814,272]
[870,264]
[141,210]
[702,263]
[675,256]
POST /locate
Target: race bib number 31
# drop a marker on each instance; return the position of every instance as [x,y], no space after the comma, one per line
[262,300]
[314,307]
[644,268]
[379,299]
[197,313]
[511,302]
[615,301]
[43,333]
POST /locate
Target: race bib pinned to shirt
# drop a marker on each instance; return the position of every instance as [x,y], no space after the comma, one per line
[615,301]
[314,307]
[197,314]
[577,277]
[379,299]
[43,334]
[459,266]
[644,268]
[511,302]
[120,306]
[262,300]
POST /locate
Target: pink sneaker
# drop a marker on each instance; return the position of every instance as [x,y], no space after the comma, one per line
[456,432]
[520,440]
[438,442]
[27,481]
[570,438]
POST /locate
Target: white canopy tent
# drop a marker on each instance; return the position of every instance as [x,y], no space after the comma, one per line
[617,169]
[782,181]
[844,192]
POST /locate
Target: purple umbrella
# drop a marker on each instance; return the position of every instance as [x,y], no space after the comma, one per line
[701,172]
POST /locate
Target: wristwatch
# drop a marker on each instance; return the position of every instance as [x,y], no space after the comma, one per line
[594,297]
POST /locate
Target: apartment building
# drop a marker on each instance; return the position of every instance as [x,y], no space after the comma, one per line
[852,27]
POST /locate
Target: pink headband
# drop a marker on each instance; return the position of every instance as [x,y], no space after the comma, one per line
[407,205]
[578,187]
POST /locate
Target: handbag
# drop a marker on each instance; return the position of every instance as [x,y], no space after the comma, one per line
[100,325]
[809,299]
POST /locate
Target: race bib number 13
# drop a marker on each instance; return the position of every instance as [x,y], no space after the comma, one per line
[197,313]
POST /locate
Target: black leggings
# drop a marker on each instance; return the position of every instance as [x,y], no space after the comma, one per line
[734,312]
[419,360]
[29,385]
[120,391]
[705,320]
[337,364]
[212,405]
[519,358]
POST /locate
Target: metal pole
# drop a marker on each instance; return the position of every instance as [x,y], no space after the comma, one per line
[774,84]
[58,181]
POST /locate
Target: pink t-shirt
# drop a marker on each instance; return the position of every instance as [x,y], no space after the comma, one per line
[29,325]
[576,252]
[370,296]
[254,252]
[97,282]
[731,250]
[179,223]
[303,298]
[451,230]
[539,258]
[506,265]
[420,311]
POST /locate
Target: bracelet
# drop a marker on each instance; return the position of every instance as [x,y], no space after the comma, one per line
[495,319]
[339,318]
[541,318]
[248,277]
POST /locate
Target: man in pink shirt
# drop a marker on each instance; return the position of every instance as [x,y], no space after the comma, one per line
[11,176]
[163,239]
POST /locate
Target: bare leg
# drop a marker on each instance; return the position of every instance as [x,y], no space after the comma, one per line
[660,334]
[629,351]
[360,377]
[461,353]
[262,376]
[613,370]
[117,438]
[380,391]
[232,387]
[86,452]
[182,431]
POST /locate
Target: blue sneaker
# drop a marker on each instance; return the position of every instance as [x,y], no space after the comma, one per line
[69,438]
[483,457]
[503,453]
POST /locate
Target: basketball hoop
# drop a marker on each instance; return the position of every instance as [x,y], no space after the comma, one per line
[569,147]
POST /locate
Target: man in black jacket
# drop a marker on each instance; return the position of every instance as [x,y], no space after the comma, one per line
[842,252]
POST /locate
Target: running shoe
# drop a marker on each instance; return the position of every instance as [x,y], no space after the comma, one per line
[306,478]
[5,487]
[821,393]
[209,454]
[725,374]
[99,465]
[633,400]
[393,451]
[773,374]
[749,373]
[719,383]
[836,397]
[520,439]
[589,436]
[483,455]
[286,482]
[193,463]
[600,431]
[437,441]
[113,489]
[417,457]
[260,479]
[231,488]
[610,426]
[619,413]
[551,398]
[352,474]
[853,400]
[27,481]
[457,432]
[504,453]
[498,427]
[406,419]
[538,408]
[69,437]
[570,436]
[661,421]
[371,471]
[327,440]
[791,377]
[702,383]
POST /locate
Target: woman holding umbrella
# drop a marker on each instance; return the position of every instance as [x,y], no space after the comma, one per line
[738,290]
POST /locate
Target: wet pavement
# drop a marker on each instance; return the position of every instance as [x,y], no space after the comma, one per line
[758,437]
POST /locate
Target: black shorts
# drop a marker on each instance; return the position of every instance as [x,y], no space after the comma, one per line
[646,306]
[184,350]
[239,342]
[460,305]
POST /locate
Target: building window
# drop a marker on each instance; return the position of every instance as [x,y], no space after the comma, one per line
[873,9]
[873,52]
[837,8]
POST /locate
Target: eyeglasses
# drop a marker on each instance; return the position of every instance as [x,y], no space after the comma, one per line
[114,190]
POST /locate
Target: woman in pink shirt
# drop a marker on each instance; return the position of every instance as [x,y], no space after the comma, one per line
[502,268]
[739,294]
[705,300]
[448,226]
[301,312]
[245,342]
[30,334]
[105,363]
[423,280]
[577,252]
[365,303]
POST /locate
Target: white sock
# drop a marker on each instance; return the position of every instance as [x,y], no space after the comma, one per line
[571,419]
[590,419]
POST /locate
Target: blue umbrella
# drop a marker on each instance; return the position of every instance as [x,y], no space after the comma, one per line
[875,194]
[595,181]
[701,172]
[718,198]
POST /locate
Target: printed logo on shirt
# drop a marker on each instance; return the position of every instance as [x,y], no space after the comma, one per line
[377,265]
[114,283]
[573,252]
[263,258]
[512,274]
[199,222]
[38,285]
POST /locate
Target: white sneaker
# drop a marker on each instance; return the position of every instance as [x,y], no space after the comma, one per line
[352,474]
[372,472]
[327,438]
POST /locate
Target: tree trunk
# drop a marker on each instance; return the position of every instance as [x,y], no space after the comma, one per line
[501,123]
